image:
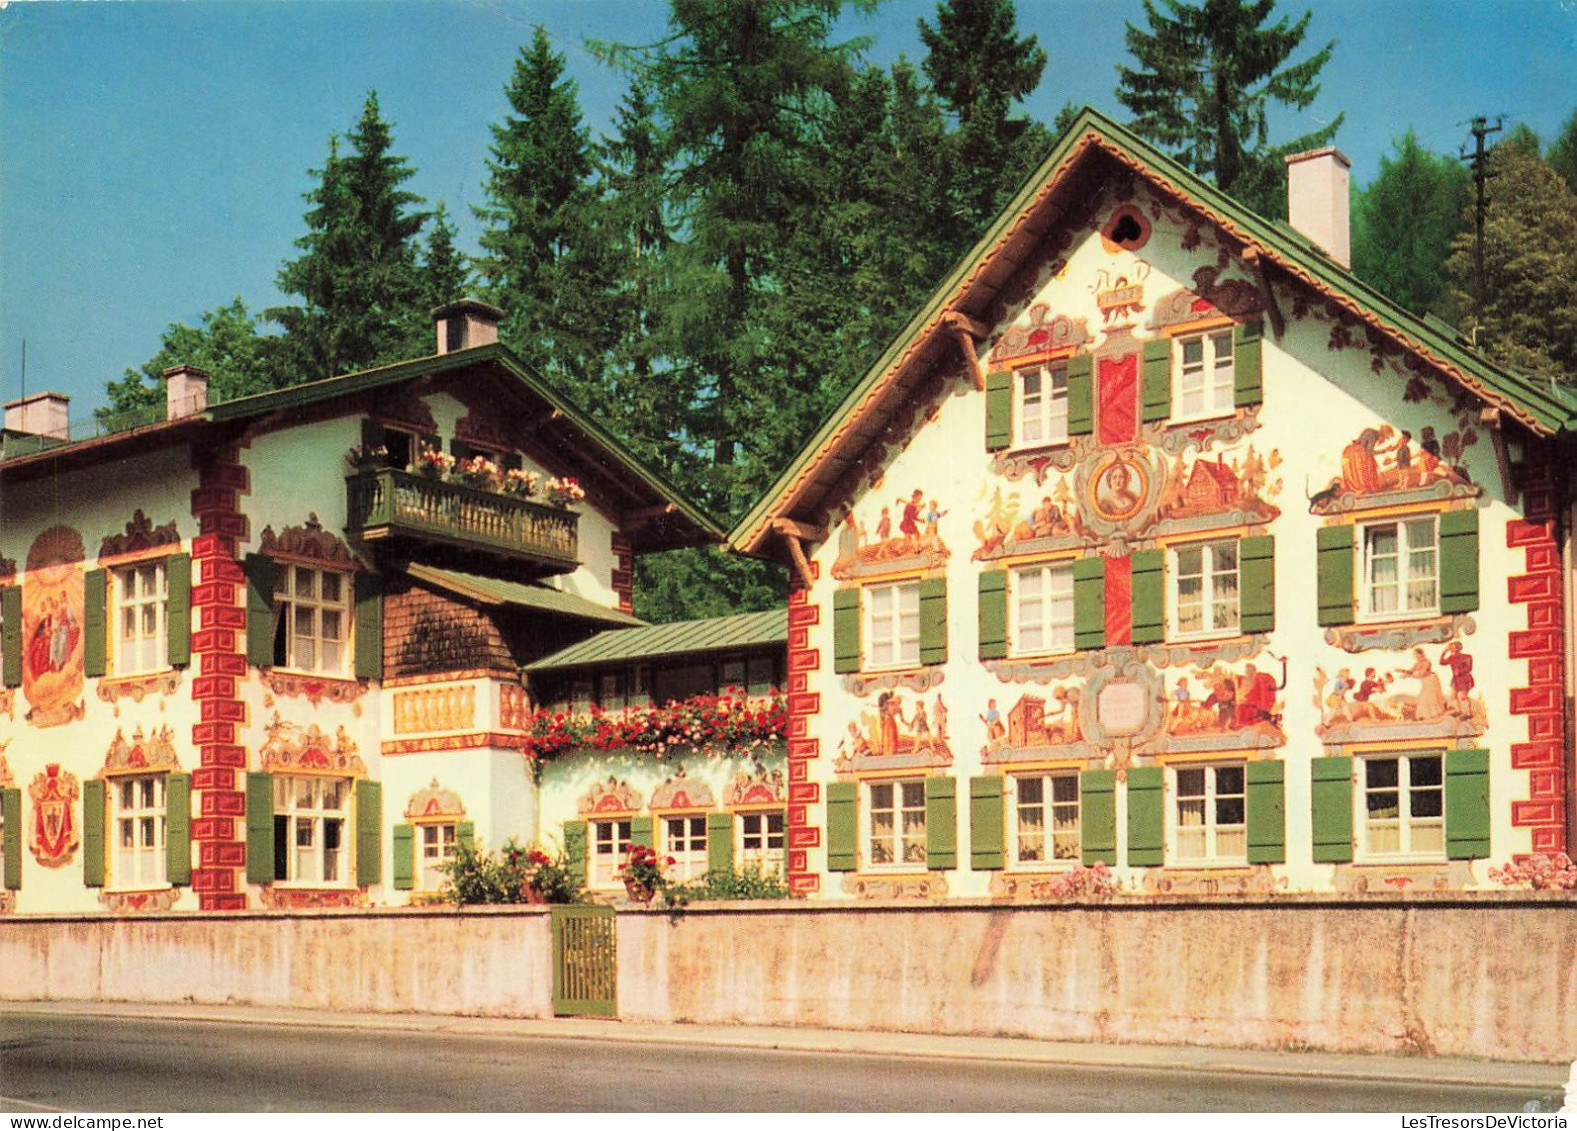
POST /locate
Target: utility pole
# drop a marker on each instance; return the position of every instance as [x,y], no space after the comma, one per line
[1480,129]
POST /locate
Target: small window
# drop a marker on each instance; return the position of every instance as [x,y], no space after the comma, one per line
[437,848]
[761,841]
[137,823]
[1204,583]
[312,611]
[684,839]
[1202,375]
[1211,823]
[1042,609]
[1401,569]
[895,831]
[141,598]
[1040,409]
[610,691]
[892,625]
[402,447]
[310,816]
[1044,828]
[1402,803]
[610,840]
[731,674]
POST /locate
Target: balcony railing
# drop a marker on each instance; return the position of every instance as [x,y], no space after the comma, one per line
[400,504]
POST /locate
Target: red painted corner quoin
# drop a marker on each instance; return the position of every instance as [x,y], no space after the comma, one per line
[803,706]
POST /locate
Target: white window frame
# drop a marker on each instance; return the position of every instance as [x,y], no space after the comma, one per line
[1210,579]
[1405,551]
[319,835]
[890,627]
[138,824]
[1047,409]
[140,647]
[757,844]
[1052,812]
[1214,371]
[1213,827]
[687,845]
[1056,605]
[608,841]
[900,846]
[436,843]
[290,600]
[1410,827]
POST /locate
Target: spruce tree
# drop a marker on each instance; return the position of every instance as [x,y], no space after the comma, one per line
[1403,224]
[1562,154]
[1205,80]
[445,274]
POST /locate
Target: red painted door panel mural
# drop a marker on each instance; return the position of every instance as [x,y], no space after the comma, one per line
[1117,399]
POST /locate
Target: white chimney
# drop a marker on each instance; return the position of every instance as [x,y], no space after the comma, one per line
[466,323]
[42,414]
[1317,200]
[185,391]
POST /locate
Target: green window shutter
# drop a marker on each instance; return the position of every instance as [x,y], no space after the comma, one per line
[643,832]
[260,618]
[720,842]
[1247,363]
[993,614]
[93,833]
[1459,561]
[1157,382]
[986,834]
[259,828]
[178,612]
[842,826]
[1467,804]
[178,829]
[11,637]
[575,853]
[1089,602]
[369,626]
[1267,812]
[1098,816]
[846,630]
[1081,395]
[933,620]
[1331,809]
[1334,574]
[11,816]
[95,618]
[999,411]
[465,833]
[1146,816]
[404,857]
[941,824]
[369,832]
[1149,596]
[1257,583]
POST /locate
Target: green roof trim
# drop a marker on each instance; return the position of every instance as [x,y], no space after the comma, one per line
[1539,404]
[496,591]
[688,637]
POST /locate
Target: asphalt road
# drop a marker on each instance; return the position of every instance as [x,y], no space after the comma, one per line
[103,1064]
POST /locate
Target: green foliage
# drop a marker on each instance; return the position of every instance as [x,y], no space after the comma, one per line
[688,584]
[227,345]
[445,274]
[1204,83]
[729,883]
[1403,224]
[512,875]
[1562,154]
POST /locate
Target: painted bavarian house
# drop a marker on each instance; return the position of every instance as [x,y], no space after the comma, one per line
[271,652]
[1159,541]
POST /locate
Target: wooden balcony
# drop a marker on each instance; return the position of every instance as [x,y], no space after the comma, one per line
[410,510]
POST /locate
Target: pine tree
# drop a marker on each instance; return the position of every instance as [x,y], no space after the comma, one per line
[1562,154]
[227,344]
[357,275]
[1404,223]
[1205,80]
[979,68]
[446,276]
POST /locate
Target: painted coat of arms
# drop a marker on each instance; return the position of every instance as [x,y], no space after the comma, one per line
[54,793]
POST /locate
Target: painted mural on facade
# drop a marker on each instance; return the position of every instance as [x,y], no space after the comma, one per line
[52,617]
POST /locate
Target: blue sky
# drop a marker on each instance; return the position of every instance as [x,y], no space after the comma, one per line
[153,154]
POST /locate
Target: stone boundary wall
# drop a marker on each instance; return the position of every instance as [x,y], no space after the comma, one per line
[1491,976]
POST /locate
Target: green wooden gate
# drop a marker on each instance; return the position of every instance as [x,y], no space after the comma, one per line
[585,961]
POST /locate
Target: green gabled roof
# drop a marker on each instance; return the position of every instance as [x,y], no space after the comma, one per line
[496,591]
[1539,405]
[689,637]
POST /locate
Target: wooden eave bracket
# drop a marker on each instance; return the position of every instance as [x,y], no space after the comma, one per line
[796,534]
[968,333]
[1490,417]
[1255,259]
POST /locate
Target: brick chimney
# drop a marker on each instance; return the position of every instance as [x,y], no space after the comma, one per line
[185,391]
[466,323]
[42,414]
[1317,200]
